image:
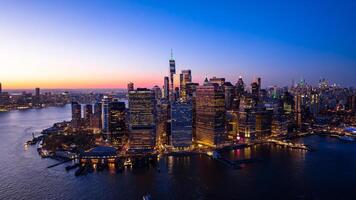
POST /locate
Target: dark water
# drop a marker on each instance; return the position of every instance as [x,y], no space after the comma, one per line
[328,173]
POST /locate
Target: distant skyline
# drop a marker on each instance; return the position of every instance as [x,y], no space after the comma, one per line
[106,44]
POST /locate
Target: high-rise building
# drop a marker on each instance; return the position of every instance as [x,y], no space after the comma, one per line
[0,88]
[219,81]
[166,88]
[105,115]
[279,125]
[210,115]
[288,103]
[163,123]
[142,126]
[298,110]
[181,125]
[37,97]
[314,104]
[259,83]
[246,124]
[176,94]
[240,87]
[191,89]
[88,114]
[239,91]
[353,104]
[172,71]
[231,125]
[117,123]
[263,122]
[130,87]
[229,95]
[247,118]
[96,118]
[158,92]
[76,115]
[255,90]
[185,78]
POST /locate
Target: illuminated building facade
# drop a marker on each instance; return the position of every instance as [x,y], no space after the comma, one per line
[105,115]
[172,71]
[76,115]
[181,124]
[158,92]
[142,108]
[229,95]
[166,88]
[263,123]
[163,123]
[185,78]
[88,114]
[210,115]
[117,122]
[95,121]
[215,80]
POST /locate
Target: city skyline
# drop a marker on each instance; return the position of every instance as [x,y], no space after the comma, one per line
[108,44]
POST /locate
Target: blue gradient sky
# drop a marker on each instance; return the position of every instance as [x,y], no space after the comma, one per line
[81,44]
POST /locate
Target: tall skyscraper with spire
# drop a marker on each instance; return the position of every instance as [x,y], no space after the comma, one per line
[172,71]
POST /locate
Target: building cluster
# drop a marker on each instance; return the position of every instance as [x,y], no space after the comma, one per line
[25,100]
[214,113]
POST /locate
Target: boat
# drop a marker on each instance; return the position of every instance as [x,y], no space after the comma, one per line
[128,162]
[346,138]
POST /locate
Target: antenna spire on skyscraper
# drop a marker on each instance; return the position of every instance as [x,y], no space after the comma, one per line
[171,54]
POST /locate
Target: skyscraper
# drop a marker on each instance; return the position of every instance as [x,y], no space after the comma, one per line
[181,124]
[240,87]
[88,113]
[172,71]
[166,88]
[255,90]
[219,81]
[185,78]
[298,110]
[0,88]
[263,122]
[105,115]
[314,104]
[210,115]
[117,118]
[259,83]
[353,103]
[130,87]
[191,89]
[142,108]
[76,115]
[37,98]
[239,90]
[229,95]
[163,122]
[96,119]
[247,117]
[158,92]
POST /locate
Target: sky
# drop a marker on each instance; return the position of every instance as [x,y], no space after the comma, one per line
[106,44]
